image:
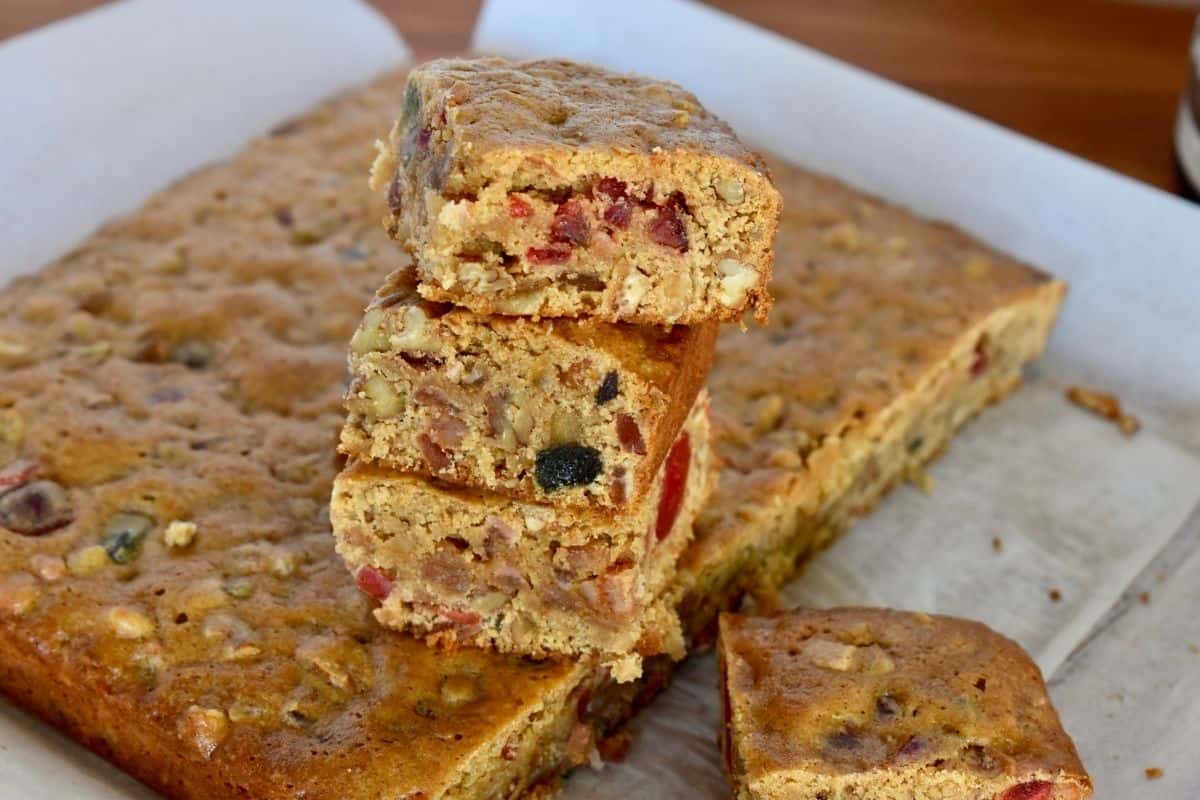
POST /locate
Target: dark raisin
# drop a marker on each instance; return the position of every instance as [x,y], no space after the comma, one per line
[608,390]
[284,217]
[844,740]
[123,535]
[36,508]
[915,444]
[567,465]
[887,707]
[193,354]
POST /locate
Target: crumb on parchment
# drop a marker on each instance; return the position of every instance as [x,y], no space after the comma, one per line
[1104,405]
[1153,772]
[1055,595]
[997,544]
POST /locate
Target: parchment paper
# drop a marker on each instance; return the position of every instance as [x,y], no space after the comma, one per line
[103,110]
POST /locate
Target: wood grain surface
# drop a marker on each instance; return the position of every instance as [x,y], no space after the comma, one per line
[1099,79]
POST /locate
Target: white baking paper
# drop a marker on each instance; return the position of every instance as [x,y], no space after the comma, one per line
[101,111]
[1080,509]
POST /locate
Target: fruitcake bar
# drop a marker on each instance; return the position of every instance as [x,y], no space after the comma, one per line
[186,365]
[563,411]
[549,188]
[854,703]
[465,566]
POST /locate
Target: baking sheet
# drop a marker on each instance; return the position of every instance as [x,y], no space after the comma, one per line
[1079,508]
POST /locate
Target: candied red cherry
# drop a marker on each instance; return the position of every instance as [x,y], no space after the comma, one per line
[667,227]
[554,254]
[373,582]
[17,473]
[619,214]
[519,207]
[1030,790]
[570,226]
[611,188]
[460,616]
[675,473]
[629,435]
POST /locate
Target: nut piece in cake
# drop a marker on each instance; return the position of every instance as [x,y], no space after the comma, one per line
[549,188]
[565,412]
[856,703]
[464,566]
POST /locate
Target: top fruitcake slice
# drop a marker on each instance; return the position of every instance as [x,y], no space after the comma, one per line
[550,188]
[870,702]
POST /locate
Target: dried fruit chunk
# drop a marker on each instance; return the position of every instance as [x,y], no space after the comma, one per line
[35,508]
[519,207]
[675,473]
[373,582]
[563,465]
[667,227]
[609,388]
[555,254]
[570,226]
[1032,790]
[123,535]
[629,435]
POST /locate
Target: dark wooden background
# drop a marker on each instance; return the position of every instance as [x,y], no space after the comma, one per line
[1100,79]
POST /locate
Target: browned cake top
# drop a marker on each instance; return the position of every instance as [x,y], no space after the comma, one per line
[558,104]
[856,689]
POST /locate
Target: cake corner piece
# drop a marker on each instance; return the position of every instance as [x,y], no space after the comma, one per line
[869,702]
[552,188]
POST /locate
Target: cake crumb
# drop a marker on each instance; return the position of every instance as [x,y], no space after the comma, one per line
[997,544]
[1055,595]
[1153,773]
[1194,650]
[1145,598]
[1104,405]
[179,533]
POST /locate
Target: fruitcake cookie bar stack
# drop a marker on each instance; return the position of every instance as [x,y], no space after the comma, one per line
[528,441]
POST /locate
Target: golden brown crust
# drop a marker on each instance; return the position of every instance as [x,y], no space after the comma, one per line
[882,695]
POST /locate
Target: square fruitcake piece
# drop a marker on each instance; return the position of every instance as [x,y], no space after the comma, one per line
[561,411]
[549,188]
[463,566]
[876,704]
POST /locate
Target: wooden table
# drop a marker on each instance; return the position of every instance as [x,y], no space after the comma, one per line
[1100,79]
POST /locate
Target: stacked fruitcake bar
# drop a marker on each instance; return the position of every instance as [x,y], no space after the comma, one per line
[529,444]
[169,397]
